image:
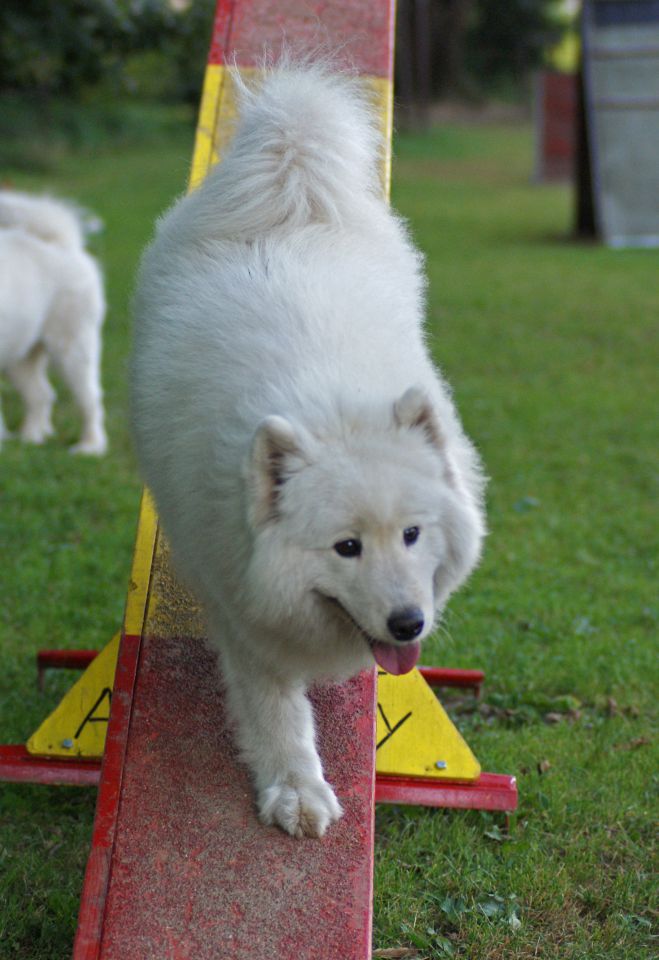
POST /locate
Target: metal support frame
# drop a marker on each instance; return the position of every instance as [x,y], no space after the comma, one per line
[490,792]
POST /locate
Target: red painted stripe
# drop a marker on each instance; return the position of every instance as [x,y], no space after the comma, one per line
[359,33]
[220,49]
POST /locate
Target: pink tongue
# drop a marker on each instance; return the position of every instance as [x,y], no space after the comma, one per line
[395,659]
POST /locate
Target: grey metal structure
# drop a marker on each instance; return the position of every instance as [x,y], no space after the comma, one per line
[621,78]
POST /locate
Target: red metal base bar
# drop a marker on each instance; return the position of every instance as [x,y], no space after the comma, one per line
[492,791]
[449,677]
[63,660]
[19,766]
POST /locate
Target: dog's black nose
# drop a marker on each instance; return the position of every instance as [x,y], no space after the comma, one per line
[405,624]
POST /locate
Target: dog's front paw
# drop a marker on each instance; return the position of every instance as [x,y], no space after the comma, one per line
[303,808]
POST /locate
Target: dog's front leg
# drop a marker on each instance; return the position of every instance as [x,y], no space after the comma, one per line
[275,731]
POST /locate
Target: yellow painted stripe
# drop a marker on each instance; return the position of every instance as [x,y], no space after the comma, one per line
[205,151]
[382,92]
[140,575]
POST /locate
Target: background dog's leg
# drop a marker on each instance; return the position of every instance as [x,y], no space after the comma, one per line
[275,732]
[30,379]
[80,365]
[5,434]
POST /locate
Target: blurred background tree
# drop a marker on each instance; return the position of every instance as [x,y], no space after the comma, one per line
[67,47]
[471,49]
[77,73]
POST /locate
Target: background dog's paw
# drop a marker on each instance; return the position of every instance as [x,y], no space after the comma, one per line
[94,448]
[303,809]
[36,432]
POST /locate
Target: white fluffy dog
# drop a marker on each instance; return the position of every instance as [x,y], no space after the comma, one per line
[51,307]
[306,459]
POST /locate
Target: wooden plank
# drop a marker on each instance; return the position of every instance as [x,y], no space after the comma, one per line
[192,870]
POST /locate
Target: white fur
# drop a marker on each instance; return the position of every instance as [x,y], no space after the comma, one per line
[51,306]
[283,401]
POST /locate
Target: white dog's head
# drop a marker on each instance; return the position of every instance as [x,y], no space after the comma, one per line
[373,528]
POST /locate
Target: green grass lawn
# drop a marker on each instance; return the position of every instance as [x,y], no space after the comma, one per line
[549,346]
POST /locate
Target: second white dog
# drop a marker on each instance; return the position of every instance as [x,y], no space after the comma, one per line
[52,306]
[306,459]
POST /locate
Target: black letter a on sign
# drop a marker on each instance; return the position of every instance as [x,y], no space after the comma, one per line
[91,716]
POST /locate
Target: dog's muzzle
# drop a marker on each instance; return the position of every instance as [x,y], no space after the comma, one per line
[405,626]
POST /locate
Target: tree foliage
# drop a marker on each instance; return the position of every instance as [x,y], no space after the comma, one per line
[506,40]
[64,47]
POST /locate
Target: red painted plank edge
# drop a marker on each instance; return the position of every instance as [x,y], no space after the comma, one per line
[97,875]
[222,30]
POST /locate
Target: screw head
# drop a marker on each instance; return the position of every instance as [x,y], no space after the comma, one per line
[67,744]
[441,764]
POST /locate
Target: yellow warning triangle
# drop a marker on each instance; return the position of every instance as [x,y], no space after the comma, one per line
[415,736]
[78,725]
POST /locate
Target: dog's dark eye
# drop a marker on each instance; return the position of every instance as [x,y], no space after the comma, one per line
[348,548]
[411,535]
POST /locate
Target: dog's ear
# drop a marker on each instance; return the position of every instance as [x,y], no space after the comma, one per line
[275,442]
[414,410]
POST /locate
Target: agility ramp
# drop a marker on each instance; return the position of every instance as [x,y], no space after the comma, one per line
[179,866]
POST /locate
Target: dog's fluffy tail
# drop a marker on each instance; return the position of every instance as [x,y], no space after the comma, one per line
[44,217]
[306,149]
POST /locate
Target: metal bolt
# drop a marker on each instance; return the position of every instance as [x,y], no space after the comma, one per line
[67,744]
[440,764]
